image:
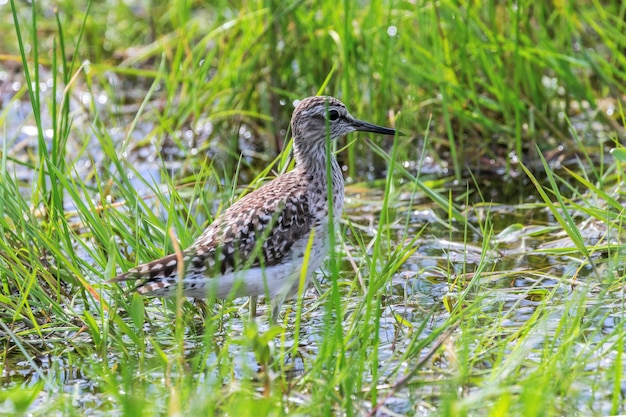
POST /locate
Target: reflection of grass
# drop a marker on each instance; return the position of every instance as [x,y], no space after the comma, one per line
[553,345]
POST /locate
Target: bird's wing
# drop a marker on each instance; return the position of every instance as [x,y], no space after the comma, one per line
[258,230]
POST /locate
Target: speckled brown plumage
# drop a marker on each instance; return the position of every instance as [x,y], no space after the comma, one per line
[257,246]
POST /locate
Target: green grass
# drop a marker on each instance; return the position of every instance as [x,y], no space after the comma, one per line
[439,298]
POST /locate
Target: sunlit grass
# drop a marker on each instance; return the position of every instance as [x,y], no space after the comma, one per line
[445,313]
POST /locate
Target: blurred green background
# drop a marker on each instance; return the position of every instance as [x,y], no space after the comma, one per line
[126,126]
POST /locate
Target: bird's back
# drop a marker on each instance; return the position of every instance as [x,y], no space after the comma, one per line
[258,231]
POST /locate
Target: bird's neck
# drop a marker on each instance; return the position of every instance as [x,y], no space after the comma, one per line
[315,168]
[314,162]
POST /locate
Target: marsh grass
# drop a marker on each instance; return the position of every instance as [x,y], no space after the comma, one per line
[519,320]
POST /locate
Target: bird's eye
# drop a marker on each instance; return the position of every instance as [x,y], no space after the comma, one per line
[333,115]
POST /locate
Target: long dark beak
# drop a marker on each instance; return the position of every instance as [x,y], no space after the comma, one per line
[372,128]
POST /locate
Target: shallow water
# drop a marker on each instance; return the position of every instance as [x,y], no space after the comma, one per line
[517,262]
[418,291]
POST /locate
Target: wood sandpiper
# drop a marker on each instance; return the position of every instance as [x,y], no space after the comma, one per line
[258,245]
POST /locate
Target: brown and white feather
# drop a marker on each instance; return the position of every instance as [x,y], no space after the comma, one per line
[257,245]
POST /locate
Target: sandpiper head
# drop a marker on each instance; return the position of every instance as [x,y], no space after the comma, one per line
[316,117]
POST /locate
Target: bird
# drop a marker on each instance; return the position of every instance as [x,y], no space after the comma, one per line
[258,246]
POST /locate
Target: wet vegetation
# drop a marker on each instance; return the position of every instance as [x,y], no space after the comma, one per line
[480,265]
